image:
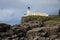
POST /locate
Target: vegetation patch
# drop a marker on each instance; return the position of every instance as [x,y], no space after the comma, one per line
[54,20]
[34,16]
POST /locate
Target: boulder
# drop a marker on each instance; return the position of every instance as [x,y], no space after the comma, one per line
[4,27]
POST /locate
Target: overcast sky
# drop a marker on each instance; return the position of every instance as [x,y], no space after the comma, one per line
[11,11]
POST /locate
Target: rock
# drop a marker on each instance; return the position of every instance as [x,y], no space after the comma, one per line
[4,27]
[57,39]
[30,29]
[53,36]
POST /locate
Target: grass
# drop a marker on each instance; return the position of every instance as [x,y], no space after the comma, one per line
[57,19]
[34,16]
[49,22]
[54,20]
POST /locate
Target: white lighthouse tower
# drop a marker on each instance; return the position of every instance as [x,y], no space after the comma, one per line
[29,13]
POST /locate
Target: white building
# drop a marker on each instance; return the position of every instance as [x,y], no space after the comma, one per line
[28,13]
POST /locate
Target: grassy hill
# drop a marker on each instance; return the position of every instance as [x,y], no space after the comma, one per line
[55,19]
[46,20]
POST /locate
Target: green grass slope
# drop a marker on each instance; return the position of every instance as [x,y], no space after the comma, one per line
[54,20]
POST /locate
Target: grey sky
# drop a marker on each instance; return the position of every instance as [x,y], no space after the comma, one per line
[12,10]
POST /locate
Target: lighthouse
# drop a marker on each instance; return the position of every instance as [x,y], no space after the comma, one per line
[29,13]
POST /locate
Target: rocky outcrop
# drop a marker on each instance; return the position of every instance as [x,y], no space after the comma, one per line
[34,21]
[4,27]
[34,18]
[46,33]
[30,29]
[20,32]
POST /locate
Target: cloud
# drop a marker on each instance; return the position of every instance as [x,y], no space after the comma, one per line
[11,11]
[6,13]
[15,4]
[11,16]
